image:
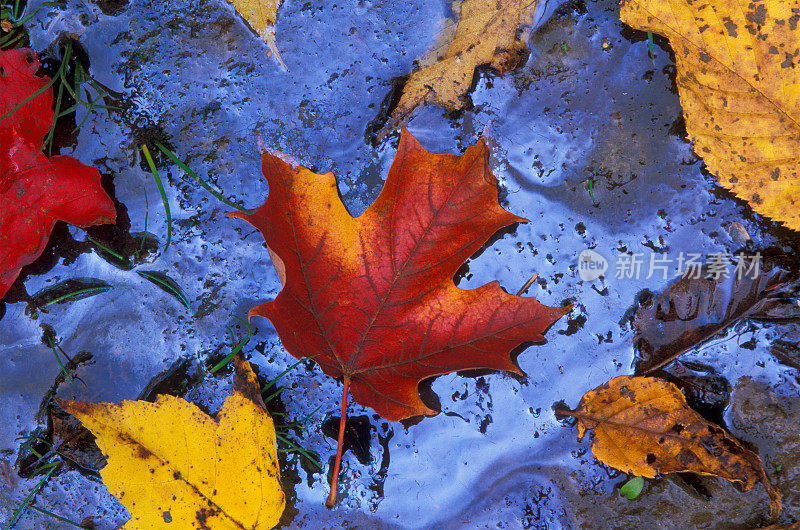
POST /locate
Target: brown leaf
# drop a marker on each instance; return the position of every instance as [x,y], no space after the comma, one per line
[643,426]
[486,34]
[74,441]
[692,310]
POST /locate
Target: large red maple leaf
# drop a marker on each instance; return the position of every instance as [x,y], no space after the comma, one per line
[36,191]
[372,298]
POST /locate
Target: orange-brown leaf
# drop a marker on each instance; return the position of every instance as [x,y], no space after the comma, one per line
[372,298]
[643,426]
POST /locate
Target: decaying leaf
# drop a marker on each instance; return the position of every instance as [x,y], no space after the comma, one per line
[488,32]
[739,82]
[692,310]
[372,298]
[169,462]
[261,15]
[36,191]
[643,426]
[73,441]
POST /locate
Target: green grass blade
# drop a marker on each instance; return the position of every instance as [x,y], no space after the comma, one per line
[236,349]
[303,419]
[651,47]
[200,181]
[56,516]
[70,291]
[294,448]
[106,249]
[277,377]
[29,98]
[167,284]
[48,141]
[11,39]
[79,295]
[29,16]
[163,193]
[18,512]
[273,395]
[33,451]
[67,376]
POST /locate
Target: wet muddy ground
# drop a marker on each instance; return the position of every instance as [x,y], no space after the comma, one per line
[588,142]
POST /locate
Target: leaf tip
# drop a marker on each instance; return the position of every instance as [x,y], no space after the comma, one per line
[245,381]
[79,409]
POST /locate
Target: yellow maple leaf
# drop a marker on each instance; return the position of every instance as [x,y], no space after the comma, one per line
[261,15]
[486,34]
[173,466]
[739,84]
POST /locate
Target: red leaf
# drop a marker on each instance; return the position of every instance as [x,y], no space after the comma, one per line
[35,191]
[372,298]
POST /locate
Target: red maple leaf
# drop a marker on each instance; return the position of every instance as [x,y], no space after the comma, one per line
[35,191]
[372,298]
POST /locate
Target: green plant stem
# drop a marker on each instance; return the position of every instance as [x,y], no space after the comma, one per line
[200,181]
[163,193]
[56,516]
[18,512]
[236,349]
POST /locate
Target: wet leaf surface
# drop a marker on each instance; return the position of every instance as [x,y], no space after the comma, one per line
[738,78]
[371,299]
[490,33]
[586,141]
[37,191]
[224,475]
[694,309]
[643,426]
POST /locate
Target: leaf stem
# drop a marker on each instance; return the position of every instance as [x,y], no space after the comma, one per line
[338,462]
[528,284]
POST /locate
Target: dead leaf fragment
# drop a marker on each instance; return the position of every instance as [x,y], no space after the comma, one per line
[169,462]
[693,310]
[486,34]
[739,83]
[643,426]
[261,15]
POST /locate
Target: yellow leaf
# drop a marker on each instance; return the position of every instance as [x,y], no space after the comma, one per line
[173,466]
[261,15]
[486,34]
[739,84]
[643,426]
